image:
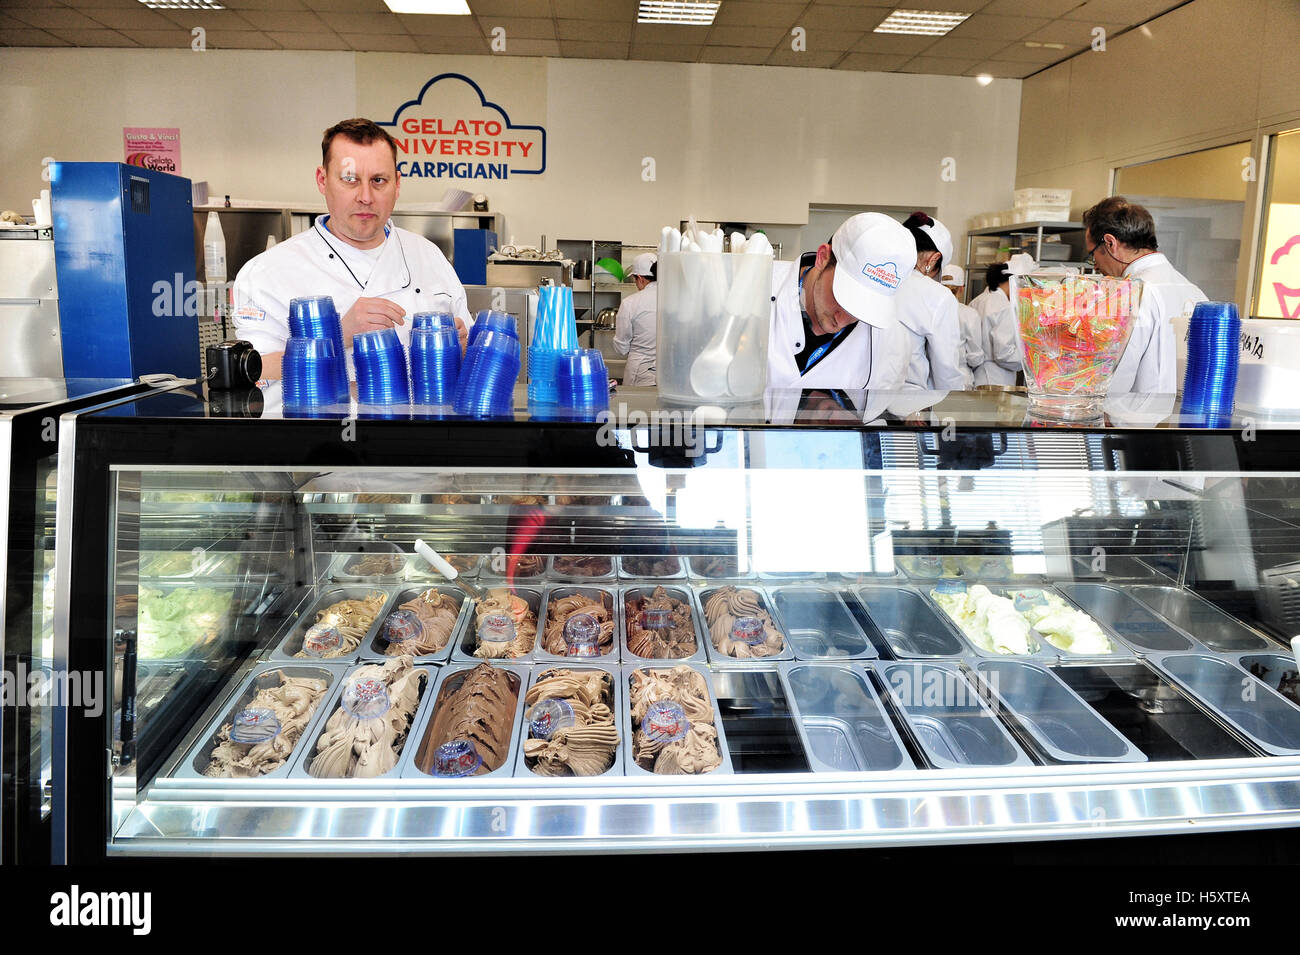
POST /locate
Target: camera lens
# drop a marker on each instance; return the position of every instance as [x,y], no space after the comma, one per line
[250,365]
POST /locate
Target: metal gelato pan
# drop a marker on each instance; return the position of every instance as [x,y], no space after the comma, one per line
[1200,619]
[844,721]
[616,706]
[948,718]
[373,649]
[630,766]
[819,625]
[604,576]
[716,656]
[1118,648]
[602,595]
[911,626]
[1040,648]
[1060,727]
[467,565]
[790,576]
[463,650]
[762,725]
[346,566]
[264,676]
[1249,704]
[680,594]
[326,597]
[1116,610]
[638,568]
[1278,670]
[491,577]
[449,680]
[718,568]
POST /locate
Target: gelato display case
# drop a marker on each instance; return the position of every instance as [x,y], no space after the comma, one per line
[786,624]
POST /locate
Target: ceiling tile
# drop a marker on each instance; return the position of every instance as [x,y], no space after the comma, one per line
[893,43]
[54,18]
[527,47]
[872,62]
[594,50]
[1129,12]
[746,14]
[669,33]
[836,40]
[843,18]
[818,59]
[439,26]
[600,31]
[622,10]
[289,5]
[177,38]
[998,28]
[948,6]
[9,23]
[381,43]
[1034,8]
[519,28]
[310,41]
[140,19]
[462,45]
[92,38]
[998,68]
[672,52]
[82,4]
[511,8]
[957,46]
[31,4]
[747,36]
[735,54]
[939,65]
[282,21]
[30,37]
[1075,34]
[1019,53]
[353,6]
[357,23]
[239,40]
[225,20]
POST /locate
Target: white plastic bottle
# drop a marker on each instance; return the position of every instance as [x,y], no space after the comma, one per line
[214,250]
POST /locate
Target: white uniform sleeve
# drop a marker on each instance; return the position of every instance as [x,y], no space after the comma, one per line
[1005,350]
[971,339]
[259,316]
[943,345]
[1130,364]
[623,327]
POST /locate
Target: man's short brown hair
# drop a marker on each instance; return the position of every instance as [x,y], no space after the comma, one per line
[1127,221]
[363,132]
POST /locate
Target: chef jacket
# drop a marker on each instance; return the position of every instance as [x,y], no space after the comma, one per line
[406,269]
[970,354]
[929,313]
[869,356]
[1001,350]
[634,335]
[1150,362]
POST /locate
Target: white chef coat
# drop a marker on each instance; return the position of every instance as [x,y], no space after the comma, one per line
[1001,350]
[870,357]
[970,354]
[928,312]
[634,335]
[408,270]
[1150,362]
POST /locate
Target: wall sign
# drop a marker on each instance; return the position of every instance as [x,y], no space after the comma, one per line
[152,147]
[451,131]
[1279,278]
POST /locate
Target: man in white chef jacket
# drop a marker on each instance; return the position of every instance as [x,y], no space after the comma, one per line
[377,274]
[999,345]
[833,314]
[970,355]
[635,325]
[1121,237]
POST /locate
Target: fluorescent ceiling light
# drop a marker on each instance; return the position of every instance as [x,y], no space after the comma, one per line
[446,8]
[984,79]
[182,4]
[1046,46]
[920,22]
[699,13]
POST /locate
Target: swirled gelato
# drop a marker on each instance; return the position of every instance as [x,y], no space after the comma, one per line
[374,565]
[651,566]
[695,752]
[438,614]
[558,613]
[725,607]
[672,640]
[583,566]
[988,621]
[355,748]
[501,600]
[482,710]
[292,701]
[715,566]
[177,622]
[586,748]
[352,619]
[1061,625]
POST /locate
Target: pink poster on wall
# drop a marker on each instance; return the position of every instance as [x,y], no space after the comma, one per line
[153,147]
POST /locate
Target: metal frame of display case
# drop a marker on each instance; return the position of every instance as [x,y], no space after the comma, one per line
[98,815]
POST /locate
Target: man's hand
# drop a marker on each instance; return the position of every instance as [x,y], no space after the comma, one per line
[462,333]
[368,315]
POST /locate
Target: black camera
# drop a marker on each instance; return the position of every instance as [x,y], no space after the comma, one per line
[233,366]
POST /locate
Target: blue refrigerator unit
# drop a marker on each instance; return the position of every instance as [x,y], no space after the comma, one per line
[124,256]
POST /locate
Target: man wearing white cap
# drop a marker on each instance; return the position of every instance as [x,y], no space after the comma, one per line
[929,312]
[634,328]
[971,353]
[833,315]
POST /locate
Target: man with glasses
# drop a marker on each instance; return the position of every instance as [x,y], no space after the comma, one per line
[1121,238]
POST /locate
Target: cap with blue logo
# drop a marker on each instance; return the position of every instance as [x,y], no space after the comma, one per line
[873,254]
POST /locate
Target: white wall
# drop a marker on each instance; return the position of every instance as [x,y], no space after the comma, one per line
[739,143]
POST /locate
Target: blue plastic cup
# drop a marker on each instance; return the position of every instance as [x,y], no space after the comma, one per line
[316,317]
[310,372]
[486,386]
[582,382]
[1213,356]
[541,375]
[435,365]
[380,360]
[433,320]
[492,321]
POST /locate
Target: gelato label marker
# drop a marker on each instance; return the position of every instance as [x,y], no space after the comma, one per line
[950,585]
[257,724]
[321,640]
[401,626]
[657,618]
[496,628]
[1024,599]
[582,636]
[665,722]
[366,699]
[548,716]
[748,630]
[457,757]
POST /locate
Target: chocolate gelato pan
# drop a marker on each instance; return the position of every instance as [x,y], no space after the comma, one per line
[1200,619]
[819,626]
[845,724]
[911,626]
[318,599]
[1245,702]
[616,704]
[1042,650]
[1117,611]
[463,650]
[493,570]
[1060,727]
[344,568]
[716,656]
[373,649]
[629,760]
[605,595]
[305,755]
[680,594]
[449,680]
[1278,670]
[628,567]
[607,576]
[715,569]
[262,677]
[948,717]
[468,566]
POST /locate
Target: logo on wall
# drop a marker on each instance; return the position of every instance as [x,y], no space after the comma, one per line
[1288,299]
[151,147]
[451,131]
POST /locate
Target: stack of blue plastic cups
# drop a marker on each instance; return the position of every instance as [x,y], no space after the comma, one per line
[1213,351]
[581,384]
[435,359]
[381,368]
[486,387]
[309,371]
[493,321]
[555,333]
[316,317]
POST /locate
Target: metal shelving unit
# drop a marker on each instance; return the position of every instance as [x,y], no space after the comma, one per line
[975,281]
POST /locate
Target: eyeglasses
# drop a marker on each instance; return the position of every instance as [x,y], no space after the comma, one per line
[1090,258]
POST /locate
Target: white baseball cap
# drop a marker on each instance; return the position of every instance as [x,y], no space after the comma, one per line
[641,264]
[873,254]
[954,276]
[942,238]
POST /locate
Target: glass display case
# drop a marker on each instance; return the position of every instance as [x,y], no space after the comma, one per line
[829,620]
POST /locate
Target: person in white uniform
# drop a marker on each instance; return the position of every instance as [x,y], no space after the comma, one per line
[929,312]
[376,273]
[970,355]
[998,343]
[634,328]
[833,313]
[1121,236]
